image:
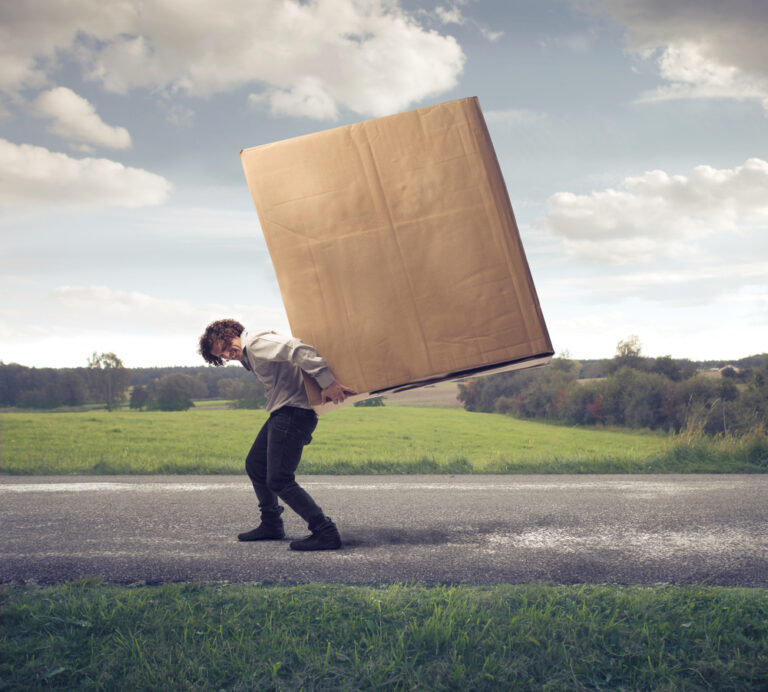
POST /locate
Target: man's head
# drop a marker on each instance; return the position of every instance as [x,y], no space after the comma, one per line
[221,341]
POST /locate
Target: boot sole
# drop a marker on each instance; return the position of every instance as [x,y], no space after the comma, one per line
[303,549]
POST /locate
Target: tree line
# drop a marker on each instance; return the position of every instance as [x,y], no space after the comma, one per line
[631,390]
[626,390]
[105,381]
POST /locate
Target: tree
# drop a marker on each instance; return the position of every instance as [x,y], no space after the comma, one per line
[228,389]
[14,379]
[248,394]
[629,347]
[108,378]
[174,392]
[200,387]
[753,405]
[139,397]
[71,388]
[628,354]
[675,370]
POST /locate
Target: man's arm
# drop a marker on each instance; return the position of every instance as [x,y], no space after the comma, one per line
[273,346]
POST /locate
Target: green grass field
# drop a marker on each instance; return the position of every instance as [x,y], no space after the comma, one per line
[353,440]
[323,637]
[95,636]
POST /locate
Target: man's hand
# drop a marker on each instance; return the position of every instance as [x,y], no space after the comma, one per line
[336,393]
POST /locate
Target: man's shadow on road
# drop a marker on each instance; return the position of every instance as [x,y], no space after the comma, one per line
[371,538]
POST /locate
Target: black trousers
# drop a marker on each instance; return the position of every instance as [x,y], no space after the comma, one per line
[272,462]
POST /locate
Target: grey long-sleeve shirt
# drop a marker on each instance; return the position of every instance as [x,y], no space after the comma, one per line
[278,360]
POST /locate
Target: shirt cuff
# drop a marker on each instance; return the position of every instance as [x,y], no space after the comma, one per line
[325,378]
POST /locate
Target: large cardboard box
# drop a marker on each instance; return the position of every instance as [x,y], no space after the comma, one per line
[396,249]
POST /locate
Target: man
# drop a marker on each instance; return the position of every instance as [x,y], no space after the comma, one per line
[278,361]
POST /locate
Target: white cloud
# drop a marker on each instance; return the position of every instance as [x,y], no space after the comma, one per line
[449,15]
[34,33]
[692,75]
[491,35]
[455,15]
[658,214]
[76,119]
[369,56]
[306,99]
[134,312]
[34,175]
[705,48]
[82,148]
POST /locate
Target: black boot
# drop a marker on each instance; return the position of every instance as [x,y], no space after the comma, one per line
[324,536]
[270,529]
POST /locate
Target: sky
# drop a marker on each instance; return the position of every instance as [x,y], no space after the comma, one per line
[632,136]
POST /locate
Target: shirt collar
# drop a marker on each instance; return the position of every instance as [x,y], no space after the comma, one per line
[244,359]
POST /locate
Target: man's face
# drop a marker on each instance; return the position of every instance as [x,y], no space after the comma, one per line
[228,351]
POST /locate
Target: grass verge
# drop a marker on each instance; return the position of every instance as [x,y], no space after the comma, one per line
[355,440]
[325,637]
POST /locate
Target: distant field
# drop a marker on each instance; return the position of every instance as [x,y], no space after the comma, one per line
[440,394]
[389,439]
[212,404]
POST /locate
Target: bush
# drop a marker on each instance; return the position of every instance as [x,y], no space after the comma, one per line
[582,403]
[652,397]
[370,401]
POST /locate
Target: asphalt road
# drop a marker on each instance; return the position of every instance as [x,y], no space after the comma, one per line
[435,529]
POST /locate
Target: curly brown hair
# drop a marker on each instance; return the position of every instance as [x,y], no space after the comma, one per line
[219,331]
